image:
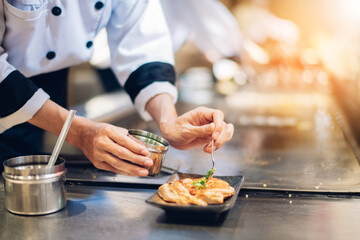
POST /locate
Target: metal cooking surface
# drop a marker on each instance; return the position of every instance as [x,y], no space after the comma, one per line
[312,153]
[95,212]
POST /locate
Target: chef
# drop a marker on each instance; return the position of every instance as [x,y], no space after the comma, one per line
[41,39]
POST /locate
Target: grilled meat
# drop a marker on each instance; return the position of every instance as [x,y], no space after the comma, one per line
[184,192]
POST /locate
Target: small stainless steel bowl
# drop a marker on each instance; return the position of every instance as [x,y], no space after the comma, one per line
[31,188]
[156,145]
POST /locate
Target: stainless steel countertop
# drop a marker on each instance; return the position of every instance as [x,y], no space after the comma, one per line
[95,212]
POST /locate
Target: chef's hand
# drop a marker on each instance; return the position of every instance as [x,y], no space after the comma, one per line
[197,128]
[192,129]
[110,148]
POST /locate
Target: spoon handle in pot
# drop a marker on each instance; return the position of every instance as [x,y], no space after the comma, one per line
[61,139]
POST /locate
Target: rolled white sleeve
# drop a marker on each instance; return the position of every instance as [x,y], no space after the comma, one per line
[151,91]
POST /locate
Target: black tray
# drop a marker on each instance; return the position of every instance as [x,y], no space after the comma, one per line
[234,181]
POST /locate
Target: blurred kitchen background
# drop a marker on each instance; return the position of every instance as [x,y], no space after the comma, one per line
[285,60]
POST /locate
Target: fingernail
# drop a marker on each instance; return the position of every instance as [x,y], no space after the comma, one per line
[144,152]
[148,162]
[143,172]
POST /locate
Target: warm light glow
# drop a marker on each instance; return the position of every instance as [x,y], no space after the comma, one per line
[309,56]
[350,10]
[308,76]
[256,53]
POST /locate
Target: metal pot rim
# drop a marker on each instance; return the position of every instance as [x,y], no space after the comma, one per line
[154,142]
[24,166]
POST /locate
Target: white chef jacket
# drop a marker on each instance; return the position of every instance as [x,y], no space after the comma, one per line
[40,36]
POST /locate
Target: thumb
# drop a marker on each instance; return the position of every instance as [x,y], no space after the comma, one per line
[204,131]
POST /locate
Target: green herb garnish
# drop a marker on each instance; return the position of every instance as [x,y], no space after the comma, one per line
[209,173]
[201,184]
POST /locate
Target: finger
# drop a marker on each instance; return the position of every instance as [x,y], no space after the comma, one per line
[105,166]
[128,142]
[211,115]
[203,131]
[122,152]
[136,140]
[124,166]
[218,118]
[207,148]
[225,136]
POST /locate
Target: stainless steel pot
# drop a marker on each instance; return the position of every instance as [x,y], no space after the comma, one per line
[156,145]
[30,188]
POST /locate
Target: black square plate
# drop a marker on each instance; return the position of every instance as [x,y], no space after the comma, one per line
[234,181]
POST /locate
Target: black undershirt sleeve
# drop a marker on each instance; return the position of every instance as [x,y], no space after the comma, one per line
[15,91]
[147,74]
